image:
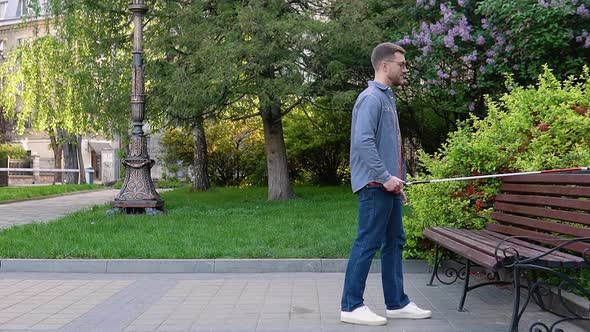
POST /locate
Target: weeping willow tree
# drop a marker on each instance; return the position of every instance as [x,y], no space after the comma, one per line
[65,82]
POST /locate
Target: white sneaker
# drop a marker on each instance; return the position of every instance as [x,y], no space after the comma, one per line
[411,311]
[362,315]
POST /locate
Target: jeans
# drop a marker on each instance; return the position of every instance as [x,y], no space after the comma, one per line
[379,226]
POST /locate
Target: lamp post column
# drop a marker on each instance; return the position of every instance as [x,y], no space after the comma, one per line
[138,193]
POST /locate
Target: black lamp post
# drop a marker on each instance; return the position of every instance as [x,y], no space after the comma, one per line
[138,193]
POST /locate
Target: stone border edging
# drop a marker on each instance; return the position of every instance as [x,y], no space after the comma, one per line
[191,265]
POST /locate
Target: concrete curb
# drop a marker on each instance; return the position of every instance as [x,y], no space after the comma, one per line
[191,265]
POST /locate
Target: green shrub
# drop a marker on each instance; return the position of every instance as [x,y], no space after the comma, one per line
[12,151]
[527,129]
[170,182]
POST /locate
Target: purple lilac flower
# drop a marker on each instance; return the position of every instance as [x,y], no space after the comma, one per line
[543,3]
[438,28]
[587,43]
[449,41]
[447,12]
[480,40]
[484,23]
[490,53]
[482,69]
[579,39]
[515,67]
[426,49]
[463,29]
[432,3]
[419,3]
[405,41]
[471,57]
[490,61]
[500,40]
[583,11]
[442,74]
[509,48]
[452,92]
[461,3]
[472,106]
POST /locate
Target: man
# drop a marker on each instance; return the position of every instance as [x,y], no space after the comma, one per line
[377,171]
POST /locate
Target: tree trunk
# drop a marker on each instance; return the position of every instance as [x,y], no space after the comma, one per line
[279,186]
[6,132]
[70,152]
[82,173]
[200,163]
[57,157]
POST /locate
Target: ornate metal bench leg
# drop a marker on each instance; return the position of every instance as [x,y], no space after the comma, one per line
[437,260]
[536,291]
[516,304]
[465,285]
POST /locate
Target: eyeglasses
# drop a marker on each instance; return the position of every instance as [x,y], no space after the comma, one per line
[402,64]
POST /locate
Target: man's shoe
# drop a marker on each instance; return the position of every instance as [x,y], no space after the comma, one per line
[411,311]
[362,315]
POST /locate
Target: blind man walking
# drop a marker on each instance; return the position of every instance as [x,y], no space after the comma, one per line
[376,167]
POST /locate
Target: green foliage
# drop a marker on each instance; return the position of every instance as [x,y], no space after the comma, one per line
[236,152]
[13,151]
[543,32]
[178,146]
[318,145]
[170,182]
[527,129]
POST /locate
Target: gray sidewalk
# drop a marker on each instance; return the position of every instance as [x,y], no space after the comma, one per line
[43,210]
[233,302]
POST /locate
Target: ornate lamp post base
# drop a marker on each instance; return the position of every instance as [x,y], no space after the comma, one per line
[138,194]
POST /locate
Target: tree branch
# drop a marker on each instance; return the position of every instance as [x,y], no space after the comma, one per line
[247,116]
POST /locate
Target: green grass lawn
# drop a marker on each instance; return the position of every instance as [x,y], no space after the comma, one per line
[13,193]
[222,223]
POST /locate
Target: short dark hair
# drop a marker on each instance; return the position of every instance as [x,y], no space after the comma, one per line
[383,51]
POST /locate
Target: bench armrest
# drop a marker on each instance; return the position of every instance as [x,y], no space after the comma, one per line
[510,256]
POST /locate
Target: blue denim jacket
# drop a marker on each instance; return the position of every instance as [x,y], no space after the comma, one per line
[375,140]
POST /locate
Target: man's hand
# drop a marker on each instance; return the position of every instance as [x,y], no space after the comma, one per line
[394,184]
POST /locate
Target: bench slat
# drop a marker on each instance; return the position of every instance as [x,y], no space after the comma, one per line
[549,178]
[542,225]
[562,254]
[558,202]
[539,237]
[488,247]
[463,250]
[580,218]
[493,242]
[548,189]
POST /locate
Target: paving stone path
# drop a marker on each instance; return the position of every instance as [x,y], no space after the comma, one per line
[43,210]
[234,302]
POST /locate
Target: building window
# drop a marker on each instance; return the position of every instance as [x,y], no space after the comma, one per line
[2,48]
[3,5]
[23,8]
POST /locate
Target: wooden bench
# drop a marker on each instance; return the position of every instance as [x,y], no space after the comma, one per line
[541,224]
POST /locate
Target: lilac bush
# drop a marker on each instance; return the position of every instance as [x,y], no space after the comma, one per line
[462,49]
